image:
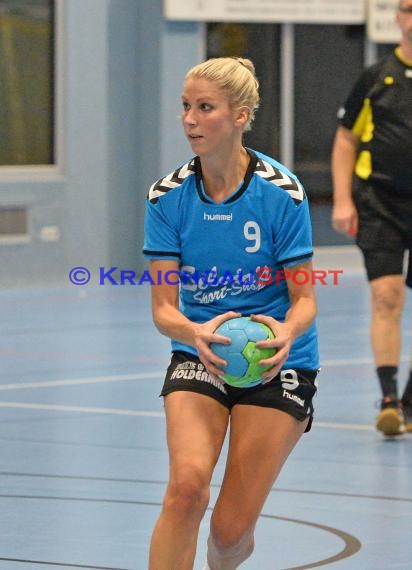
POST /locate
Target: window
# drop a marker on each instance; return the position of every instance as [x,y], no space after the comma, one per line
[26,86]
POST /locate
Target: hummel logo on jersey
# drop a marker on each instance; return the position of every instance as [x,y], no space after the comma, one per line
[293,397]
[217,217]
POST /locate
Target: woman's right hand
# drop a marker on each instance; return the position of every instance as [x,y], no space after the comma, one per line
[204,336]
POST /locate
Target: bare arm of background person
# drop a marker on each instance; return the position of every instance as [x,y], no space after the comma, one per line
[344,214]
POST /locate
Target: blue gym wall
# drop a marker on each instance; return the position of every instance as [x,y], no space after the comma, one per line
[122,72]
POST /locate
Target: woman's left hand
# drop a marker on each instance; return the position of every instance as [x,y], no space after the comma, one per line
[282,342]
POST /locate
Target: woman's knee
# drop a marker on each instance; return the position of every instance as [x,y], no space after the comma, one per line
[187,493]
[232,538]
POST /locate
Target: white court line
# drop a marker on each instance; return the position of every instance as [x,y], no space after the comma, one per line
[331,425]
[140,376]
[334,249]
[346,362]
[351,361]
[81,409]
[150,375]
[146,413]
[79,381]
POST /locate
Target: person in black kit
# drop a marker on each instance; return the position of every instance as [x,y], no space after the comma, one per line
[373,147]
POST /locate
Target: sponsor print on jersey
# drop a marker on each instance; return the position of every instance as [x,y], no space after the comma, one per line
[213,285]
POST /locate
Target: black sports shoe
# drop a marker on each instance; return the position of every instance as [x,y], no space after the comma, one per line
[407,414]
[390,419]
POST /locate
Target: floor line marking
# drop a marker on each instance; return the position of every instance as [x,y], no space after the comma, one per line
[81,409]
[332,425]
[80,381]
[351,362]
[151,375]
[148,413]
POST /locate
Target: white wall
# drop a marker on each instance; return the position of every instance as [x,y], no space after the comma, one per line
[122,69]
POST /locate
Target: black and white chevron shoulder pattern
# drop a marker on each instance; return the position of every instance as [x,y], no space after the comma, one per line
[172,180]
[281,179]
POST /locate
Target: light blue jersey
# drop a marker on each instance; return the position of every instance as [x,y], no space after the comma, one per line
[231,255]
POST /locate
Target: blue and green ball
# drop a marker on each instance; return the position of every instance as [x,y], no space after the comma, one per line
[242,355]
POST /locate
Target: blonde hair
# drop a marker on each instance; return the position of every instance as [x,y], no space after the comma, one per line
[234,75]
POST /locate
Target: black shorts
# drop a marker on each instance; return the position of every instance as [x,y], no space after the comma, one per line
[385,231]
[291,391]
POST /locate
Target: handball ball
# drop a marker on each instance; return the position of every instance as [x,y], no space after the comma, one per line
[242,356]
